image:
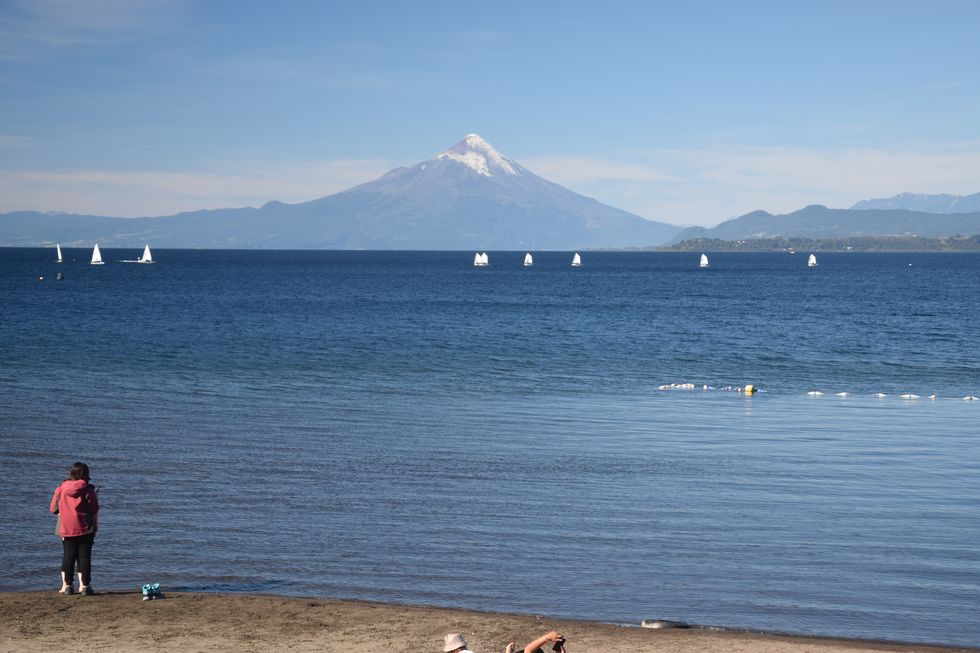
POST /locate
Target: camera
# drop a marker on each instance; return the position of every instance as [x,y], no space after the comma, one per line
[559,646]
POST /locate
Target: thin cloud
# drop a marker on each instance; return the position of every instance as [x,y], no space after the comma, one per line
[280,70]
[27,24]
[838,176]
[574,170]
[151,193]
[9,142]
[706,186]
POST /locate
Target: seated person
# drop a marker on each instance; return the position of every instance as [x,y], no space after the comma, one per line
[535,646]
[455,644]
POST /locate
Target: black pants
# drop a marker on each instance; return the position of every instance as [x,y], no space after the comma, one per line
[80,549]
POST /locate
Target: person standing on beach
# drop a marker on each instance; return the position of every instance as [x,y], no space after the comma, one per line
[76,502]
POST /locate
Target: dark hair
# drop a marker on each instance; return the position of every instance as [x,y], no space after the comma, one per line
[78,471]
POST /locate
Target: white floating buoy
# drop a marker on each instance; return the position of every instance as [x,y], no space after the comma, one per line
[843,394]
[909,396]
[815,393]
[880,395]
[970,398]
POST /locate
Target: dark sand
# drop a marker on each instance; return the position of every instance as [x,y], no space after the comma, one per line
[121,621]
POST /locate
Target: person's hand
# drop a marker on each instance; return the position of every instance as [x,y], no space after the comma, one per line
[553,636]
[509,648]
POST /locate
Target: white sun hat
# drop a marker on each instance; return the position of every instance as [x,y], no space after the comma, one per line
[453,642]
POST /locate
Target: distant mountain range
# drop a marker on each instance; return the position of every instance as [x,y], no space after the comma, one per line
[473,197]
[924,203]
[817,221]
[468,197]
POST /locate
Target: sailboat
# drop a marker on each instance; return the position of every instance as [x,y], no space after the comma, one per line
[97,256]
[147,257]
[704,260]
[528,260]
[481,260]
[812,261]
[576,260]
[59,259]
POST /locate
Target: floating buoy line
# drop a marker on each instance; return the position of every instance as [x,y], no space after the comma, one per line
[750,389]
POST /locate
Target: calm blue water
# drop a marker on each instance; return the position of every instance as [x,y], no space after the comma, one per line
[403,427]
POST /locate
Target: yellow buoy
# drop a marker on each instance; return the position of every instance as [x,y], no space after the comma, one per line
[750,389]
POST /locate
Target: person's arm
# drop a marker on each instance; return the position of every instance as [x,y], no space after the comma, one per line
[54,500]
[541,641]
[93,500]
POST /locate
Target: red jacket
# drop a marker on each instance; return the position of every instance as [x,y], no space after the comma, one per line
[77,505]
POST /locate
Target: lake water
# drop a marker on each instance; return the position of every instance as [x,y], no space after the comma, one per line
[404,427]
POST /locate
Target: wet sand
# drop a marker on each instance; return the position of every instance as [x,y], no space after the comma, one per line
[121,621]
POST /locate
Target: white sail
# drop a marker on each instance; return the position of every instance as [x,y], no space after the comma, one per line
[59,259]
[704,260]
[528,260]
[147,257]
[96,255]
[812,261]
[576,260]
[481,260]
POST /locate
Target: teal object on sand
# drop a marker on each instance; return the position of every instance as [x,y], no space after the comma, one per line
[152,591]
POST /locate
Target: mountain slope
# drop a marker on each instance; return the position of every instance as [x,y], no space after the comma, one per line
[468,197]
[820,222]
[924,203]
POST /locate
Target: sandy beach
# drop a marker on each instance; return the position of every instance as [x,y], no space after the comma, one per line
[121,621]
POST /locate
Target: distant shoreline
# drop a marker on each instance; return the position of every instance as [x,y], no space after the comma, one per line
[121,621]
[896,244]
[891,246]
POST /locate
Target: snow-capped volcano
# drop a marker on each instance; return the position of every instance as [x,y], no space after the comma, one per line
[478,155]
[472,196]
[468,197]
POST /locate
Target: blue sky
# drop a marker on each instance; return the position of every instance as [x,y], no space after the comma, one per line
[689,113]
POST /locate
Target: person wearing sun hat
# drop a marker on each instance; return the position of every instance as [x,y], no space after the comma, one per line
[455,644]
